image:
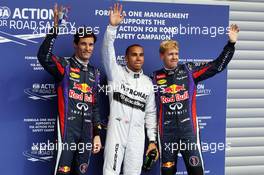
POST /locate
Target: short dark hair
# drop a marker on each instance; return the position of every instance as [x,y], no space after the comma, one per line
[83,33]
[133,45]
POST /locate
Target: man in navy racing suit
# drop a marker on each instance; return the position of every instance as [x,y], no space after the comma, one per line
[176,103]
[77,89]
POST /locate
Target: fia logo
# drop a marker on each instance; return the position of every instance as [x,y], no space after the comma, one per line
[4,12]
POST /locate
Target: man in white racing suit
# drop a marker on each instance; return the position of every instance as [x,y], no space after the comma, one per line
[132,105]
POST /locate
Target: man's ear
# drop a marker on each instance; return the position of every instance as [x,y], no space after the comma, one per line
[75,45]
[162,56]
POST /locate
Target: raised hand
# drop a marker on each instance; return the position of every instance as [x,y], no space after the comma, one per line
[116,14]
[233,33]
[56,15]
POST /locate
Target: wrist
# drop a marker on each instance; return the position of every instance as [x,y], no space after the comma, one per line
[97,130]
[153,142]
[113,26]
[231,43]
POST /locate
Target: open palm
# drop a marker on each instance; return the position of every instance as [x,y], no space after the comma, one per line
[57,12]
[233,33]
[116,15]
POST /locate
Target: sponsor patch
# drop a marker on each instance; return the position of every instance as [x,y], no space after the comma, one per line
[92,80]
[115,156]
[83,168]
[74,75]
[64,169]
[173,89]
[160,76]
[136,104]
[162,81]
[75,80]
[194,161]
[82,87]
[75,70]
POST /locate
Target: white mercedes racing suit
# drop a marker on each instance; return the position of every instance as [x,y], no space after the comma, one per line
[132,107]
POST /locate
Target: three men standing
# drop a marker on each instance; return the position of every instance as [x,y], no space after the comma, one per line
[132,102]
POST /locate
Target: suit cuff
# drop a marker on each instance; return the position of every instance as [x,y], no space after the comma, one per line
[152,141]
[112,29]
[97,130]
[230,44]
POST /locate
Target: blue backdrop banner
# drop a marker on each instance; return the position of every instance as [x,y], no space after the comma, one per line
[28,94]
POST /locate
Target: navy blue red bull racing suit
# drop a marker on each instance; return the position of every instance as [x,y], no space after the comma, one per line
[78,119]
[176,104]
